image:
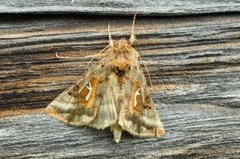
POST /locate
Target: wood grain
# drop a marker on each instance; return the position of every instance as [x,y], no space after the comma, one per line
[119,7]
[193,61]
[199,131]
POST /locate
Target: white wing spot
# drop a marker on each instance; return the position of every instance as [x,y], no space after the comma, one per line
[135,96]
[89,87]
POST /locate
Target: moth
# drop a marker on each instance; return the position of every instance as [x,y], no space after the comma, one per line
[113,93]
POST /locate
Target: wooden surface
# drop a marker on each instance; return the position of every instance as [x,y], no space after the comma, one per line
[120,7]
[202,131]
[193,61]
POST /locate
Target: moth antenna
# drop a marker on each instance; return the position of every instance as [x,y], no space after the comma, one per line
[89,63]
[133,37]
[109,35]
[149,77]
[100,54]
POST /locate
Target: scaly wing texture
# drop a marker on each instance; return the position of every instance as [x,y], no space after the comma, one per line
[89,102]
[106,111]
[138,115]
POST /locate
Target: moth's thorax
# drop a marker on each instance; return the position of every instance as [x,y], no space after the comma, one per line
[123,52]
[121,62]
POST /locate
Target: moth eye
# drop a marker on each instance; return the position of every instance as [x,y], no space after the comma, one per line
[69,93]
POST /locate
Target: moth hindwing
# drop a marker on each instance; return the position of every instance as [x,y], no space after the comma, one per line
[113,94]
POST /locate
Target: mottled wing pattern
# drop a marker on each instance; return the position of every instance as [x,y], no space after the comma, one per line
[138,115]
[112,94]
[106,110]
[86,103]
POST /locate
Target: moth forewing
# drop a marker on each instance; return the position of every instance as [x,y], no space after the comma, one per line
[106,110]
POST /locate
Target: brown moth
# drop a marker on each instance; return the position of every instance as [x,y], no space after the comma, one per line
[113,93]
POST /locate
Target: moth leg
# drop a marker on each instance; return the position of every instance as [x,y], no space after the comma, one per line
[117,132]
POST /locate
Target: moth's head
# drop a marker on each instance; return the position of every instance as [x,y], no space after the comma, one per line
[120,55]
[123,43]
[121,46]
[124,55]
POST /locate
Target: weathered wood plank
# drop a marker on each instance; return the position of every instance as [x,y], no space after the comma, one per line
[197,58]
[194,63]
[120,7]
[202,131]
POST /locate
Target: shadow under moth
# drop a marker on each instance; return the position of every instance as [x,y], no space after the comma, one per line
[113,93]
